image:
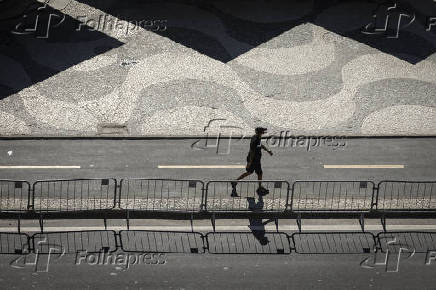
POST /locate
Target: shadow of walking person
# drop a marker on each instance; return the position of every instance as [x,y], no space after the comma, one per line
[256,226]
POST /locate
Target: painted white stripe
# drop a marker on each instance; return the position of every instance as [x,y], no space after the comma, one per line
[386,166]
[40,167]
[200,166]
[229,228]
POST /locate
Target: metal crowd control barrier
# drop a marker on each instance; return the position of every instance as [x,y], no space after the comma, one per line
[14,243]
[328,196]
[406,196]
[420,242]
[14,195]
[333,242]
[166,195]
[248,243]
[74,195]
[162,242]
[219,199]
[75,242]
[142,197]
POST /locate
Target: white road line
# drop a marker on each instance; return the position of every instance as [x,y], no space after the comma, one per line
[40,167]
[200,166]
[386,166]
[305,228]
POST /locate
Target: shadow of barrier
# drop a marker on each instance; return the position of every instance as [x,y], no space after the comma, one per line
[74,195]
[219,196]
[255,242]
[38,41]
[162,242]
[14,243]
[407,196]
[332,196]
[14,196]
[419,242]
[164,195]
[333,242]
[73,242]
[248,243]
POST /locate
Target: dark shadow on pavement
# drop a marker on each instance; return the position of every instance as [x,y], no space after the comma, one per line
[257,226]
[419,242]
[73,242]
[247,243]
[333,242]
[14,243]
[38,41]
[224,30]
[162,242]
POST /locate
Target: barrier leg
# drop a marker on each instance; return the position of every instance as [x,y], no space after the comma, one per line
[383,222]
[212,220]
[19,223]
[41,223]
[362,222]
[299,222]
[128,220]
[117,240]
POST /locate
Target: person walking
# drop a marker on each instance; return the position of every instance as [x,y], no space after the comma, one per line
[253,161]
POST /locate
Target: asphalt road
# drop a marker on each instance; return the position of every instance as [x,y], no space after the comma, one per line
[142,158]
[224,271]
[297,268]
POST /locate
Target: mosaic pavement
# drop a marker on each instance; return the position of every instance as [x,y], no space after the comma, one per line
[310,67]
